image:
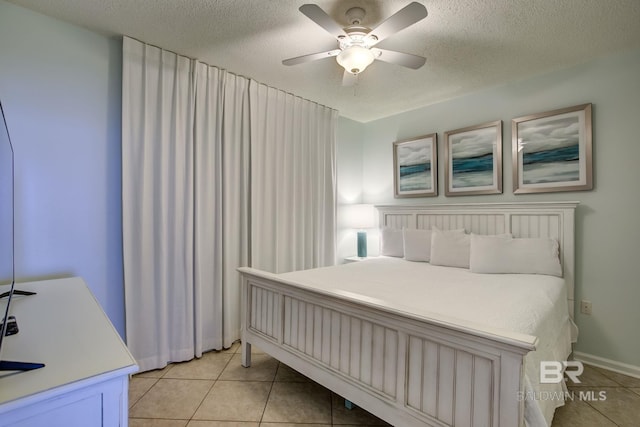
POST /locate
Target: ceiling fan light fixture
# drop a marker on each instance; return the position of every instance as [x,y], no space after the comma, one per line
[355,59]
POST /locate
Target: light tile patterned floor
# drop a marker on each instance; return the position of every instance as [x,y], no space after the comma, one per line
[620,406]
[216,391]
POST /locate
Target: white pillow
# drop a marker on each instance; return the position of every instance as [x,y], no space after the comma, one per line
[490,254]
[417,244]
[449,248]
[391,242]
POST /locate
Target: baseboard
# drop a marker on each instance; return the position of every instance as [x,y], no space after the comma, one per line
[612,365]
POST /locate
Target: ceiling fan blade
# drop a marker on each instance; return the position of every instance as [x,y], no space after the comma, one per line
[311,57]
[320,17]
[399,58]
[349,79]
[405,17]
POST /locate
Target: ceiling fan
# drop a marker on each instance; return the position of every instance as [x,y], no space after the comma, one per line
[356,42]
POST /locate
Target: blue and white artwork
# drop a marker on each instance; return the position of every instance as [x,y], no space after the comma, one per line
[415,166]
[550,150]
[414,163]
[473,158]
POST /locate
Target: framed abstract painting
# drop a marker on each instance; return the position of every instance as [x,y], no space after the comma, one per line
[473,157]
[552,151]
[415,167]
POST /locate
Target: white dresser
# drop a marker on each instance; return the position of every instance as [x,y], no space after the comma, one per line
[85,379]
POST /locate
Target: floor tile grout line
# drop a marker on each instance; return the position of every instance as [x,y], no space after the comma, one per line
[607,373]
[170,366]
[620,387]
[601,413]
[215,381]
[269,394]
[131,405]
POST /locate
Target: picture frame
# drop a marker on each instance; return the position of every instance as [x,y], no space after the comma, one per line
[473,159]
[415,167]
[552,151]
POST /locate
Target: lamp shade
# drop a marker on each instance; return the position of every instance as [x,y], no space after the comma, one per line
[360,216]
[355,58]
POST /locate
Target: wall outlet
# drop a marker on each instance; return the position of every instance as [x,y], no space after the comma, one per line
[585,307]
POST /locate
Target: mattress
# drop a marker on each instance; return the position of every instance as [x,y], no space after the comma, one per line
[521,303]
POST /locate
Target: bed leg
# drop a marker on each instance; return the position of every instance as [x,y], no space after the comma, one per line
[348,404]
[246,354]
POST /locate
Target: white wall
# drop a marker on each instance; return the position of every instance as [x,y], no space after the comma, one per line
[608,233]
[61,89]
[349,177]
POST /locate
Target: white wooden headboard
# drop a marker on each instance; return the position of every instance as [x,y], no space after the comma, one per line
[546,219]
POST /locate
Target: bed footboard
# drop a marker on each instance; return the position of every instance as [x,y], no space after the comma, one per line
[405,370]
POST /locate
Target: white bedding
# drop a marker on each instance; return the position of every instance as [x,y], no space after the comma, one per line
[523,303]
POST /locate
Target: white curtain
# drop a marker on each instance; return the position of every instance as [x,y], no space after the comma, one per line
[292,181]
[158,203]
[221,204]
[198,189]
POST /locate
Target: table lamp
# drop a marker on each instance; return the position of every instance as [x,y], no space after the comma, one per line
[361,217]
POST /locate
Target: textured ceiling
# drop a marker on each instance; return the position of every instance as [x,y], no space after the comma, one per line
[469,44]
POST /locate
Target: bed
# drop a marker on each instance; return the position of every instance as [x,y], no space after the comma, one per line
[416,344]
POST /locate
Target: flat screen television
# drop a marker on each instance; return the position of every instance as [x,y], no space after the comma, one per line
[7,265]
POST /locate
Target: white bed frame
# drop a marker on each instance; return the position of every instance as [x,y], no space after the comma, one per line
[405,369]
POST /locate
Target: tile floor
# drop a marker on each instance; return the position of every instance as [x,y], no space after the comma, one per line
[216,391]
[619,407]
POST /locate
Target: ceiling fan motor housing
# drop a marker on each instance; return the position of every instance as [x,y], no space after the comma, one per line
[355,15]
